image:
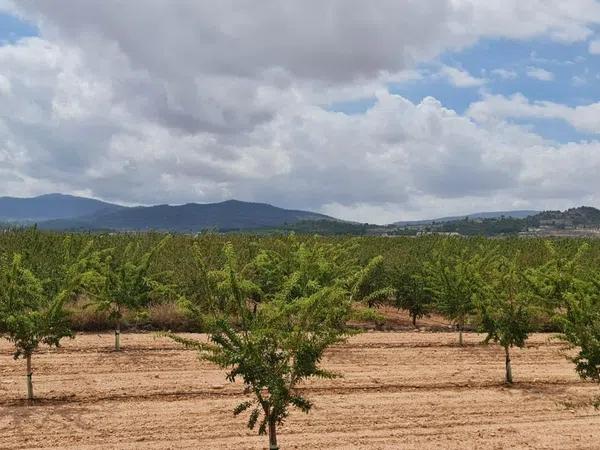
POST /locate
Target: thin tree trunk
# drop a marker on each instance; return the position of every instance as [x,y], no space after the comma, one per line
[29,379]
[273,435]
[509,378]
[118,336]
[460,334]
[414,320]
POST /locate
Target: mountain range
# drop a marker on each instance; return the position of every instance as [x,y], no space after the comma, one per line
[65,212]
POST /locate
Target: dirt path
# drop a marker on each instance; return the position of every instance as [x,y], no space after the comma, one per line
[399,390]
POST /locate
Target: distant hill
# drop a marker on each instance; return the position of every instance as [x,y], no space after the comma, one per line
[49,207]
[224,216]
[582,216]
[580,221]
[517,214]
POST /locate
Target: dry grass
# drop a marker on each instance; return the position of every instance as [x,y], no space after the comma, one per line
[161,316]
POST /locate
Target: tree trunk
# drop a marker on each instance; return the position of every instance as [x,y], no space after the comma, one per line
[273,435]
[414,320]
[509,378]
[460,334]
[118,336]
[29,381]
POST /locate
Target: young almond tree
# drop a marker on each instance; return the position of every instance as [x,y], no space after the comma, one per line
[277,346]
[453,278]
[506,307]
[581,328]
[31,308]
[372,285]
[412,294]
[28,317]
[127,282]
[552,281]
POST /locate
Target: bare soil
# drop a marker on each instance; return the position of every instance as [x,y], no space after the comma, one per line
[399,390]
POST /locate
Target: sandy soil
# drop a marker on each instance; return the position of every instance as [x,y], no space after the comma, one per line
[399,390]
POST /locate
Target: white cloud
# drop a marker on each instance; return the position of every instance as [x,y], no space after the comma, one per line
[203,101]
[461,78]
[540,74]
[492,108]
[565,21]
[505,74]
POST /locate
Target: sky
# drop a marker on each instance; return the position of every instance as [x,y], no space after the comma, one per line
[374,111]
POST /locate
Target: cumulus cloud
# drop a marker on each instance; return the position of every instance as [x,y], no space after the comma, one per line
[540,74]
[461,78]
[505,74]
[204,101]
[584,118]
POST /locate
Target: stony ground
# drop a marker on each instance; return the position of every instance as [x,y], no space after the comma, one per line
[399,390]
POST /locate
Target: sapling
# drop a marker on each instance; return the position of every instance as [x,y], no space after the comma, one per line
[581,328]
[128,282]
[276,347]
[372,285]
[556,278]
[453,278]
[506,307]
[28,317]
[411,292]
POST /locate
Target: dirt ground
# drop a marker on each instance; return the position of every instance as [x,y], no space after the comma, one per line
[399,390]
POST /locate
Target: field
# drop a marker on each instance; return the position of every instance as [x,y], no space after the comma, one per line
[399,390]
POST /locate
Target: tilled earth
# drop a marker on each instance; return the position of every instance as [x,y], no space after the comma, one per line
[399,390]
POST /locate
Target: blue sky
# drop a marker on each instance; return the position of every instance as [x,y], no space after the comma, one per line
[575,80]
[13,28]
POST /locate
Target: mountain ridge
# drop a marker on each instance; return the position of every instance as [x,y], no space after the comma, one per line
[50,207]
[68,212]
[189,217]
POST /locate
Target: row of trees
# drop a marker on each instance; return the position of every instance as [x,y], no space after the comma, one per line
[272,310]
[269,321]
[493,293]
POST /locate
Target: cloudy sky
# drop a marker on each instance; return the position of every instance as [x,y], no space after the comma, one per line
[373,111]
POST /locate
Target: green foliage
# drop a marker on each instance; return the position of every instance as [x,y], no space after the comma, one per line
[371,285]
[125,280]
[26,320]
[453,277]
[32,310]
[368,315]
[581,328]
[506,307]
[194,263]
[411,291]
[553,280]
[275,347]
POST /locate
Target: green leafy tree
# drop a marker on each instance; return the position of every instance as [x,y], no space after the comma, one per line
[453,278]
[279,345]
[554,279]
[127,281]
[31,309]
[372,285]
[581,328]
[411,291]
[506,307]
